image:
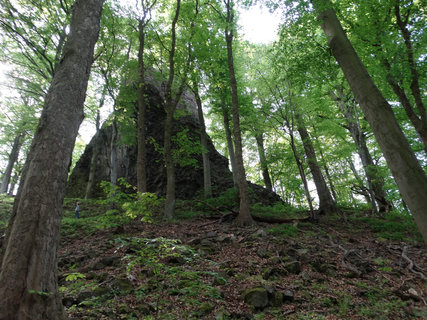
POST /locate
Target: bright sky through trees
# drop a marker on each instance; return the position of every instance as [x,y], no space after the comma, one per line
[259,25]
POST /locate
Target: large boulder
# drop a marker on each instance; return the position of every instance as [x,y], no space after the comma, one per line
[189,178]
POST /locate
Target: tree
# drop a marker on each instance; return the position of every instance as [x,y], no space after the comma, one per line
[13,157]
[207,181]
[326,203]
[28,276]
[407,172]
[141,170]
[244,217]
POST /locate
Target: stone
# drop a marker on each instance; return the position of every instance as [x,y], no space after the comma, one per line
[288,295]
[260,233]
[100,291]
[204,309]
[271,272]
[84,295]
[256,297]
[123,284]
[293,267]
[263,253]
[68,301]
[211,234]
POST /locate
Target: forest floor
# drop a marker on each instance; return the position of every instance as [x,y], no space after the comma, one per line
[200,267]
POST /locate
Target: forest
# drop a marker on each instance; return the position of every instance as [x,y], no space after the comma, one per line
[222,177]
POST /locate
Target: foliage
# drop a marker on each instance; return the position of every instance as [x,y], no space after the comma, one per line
[394,226]
[284,230]
[143,206]
[227,199]
[134,205]
[74,276]
[186,149]
[278,210]
[6,206]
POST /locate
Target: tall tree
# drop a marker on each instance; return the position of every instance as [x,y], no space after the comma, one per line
[207,180]
[28,276]
[244,217]
[407,172]
[141,167]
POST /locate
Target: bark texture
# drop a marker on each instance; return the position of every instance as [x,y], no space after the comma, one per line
[230,145]
[244,217]
[28,277]
[407,172]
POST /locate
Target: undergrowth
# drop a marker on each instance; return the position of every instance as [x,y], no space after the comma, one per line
[394,226]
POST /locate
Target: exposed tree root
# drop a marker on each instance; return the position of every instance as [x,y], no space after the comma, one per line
[411,263]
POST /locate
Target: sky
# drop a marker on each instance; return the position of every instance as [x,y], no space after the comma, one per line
[259,25]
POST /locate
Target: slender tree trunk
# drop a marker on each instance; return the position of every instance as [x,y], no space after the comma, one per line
[94,157]
[263,161]
[113,161]
[13,156]
[230,146]
[28,276]
[14,181]
[302,174]
[171,105]
[141,165]
[207,181]
[408,174]
[244,217]
[326,203]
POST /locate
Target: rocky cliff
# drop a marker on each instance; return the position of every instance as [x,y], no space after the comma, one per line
[189,177]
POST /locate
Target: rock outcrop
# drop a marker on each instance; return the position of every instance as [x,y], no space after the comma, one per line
[189,178]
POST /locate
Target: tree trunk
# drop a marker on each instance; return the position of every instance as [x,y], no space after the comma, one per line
[230,146]
[302,174]
[326,203]
[141,168]
[113,161]
[263,161]
[17,143]
[94,157]
[244,217]
[374,181]
[28,277]
[14,181]
[207,181]
[171,105]
[408,174]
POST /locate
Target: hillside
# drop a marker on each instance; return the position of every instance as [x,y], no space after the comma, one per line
[113,266]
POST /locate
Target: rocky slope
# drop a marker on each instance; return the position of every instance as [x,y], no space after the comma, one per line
[207,269]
